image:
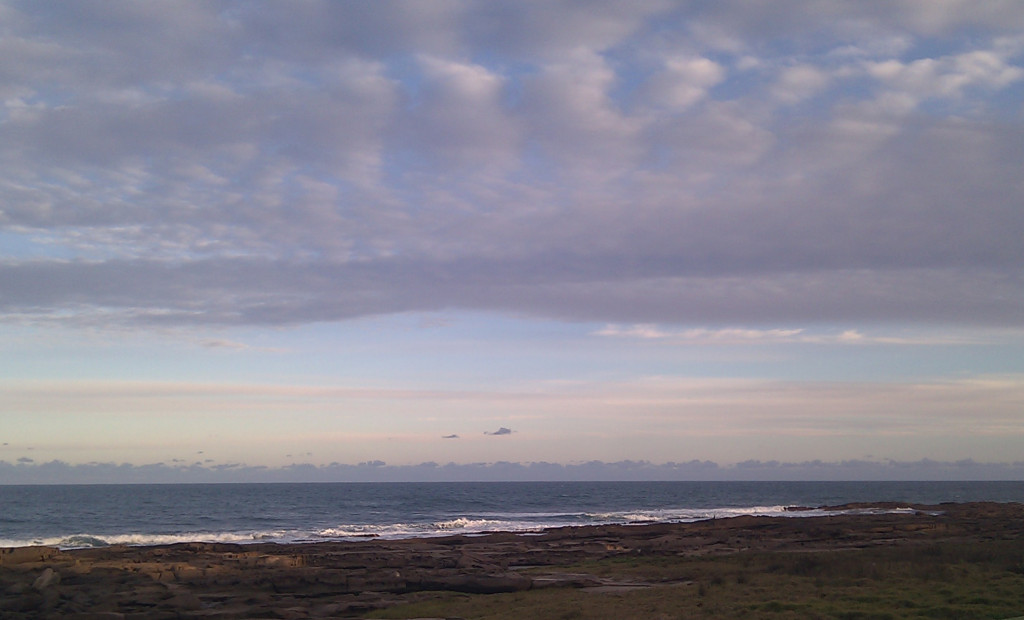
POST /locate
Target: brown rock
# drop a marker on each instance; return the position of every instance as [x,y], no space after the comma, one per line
[21,555]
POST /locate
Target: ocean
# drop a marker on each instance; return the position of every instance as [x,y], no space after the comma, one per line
[71,516]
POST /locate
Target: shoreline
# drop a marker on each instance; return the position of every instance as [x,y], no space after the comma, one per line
[336,579]
[83,540]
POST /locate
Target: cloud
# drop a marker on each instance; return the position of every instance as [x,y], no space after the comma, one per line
[948,76]
[259,165]
[693,336]
[453,436]
[744,336]
[798,83]
[223,344]
[232,345]
[378,471]
[684,81]
[460,114]
[816,415]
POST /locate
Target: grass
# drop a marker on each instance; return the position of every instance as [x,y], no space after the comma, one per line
[933,581]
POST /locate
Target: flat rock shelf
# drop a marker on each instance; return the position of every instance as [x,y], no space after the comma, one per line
[945,561]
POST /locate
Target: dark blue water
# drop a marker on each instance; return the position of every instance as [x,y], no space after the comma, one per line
[93,515]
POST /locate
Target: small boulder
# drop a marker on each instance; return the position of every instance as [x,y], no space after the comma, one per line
[49,577]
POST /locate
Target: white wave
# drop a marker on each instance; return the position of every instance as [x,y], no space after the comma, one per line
[688,515]
[532,515]
[683,515]
[638,517]
[346,531]
[85,540]
[520,523]
[462,523]
[458,525]
[879,511]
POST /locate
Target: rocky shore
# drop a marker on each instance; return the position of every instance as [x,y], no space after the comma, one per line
[356,579]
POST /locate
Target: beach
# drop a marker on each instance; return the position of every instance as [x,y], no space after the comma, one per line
[730,567]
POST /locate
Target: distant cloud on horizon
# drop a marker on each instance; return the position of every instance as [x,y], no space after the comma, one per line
[500,431]
[59,472]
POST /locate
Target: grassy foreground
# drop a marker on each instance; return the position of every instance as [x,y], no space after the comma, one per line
[934,580]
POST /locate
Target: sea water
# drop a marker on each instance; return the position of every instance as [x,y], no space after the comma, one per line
[71,516]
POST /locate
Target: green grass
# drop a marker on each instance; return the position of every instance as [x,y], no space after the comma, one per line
[935,581]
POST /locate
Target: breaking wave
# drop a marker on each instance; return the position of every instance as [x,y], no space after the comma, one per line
[522,523]
[69,516]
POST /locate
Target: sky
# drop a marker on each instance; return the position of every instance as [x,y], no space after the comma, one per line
[327,238]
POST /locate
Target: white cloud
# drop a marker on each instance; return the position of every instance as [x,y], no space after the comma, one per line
[705,336]
[948,76]
[746,336]
[649,332]
[459,114]
[570,110]
[798,83]
[684,81]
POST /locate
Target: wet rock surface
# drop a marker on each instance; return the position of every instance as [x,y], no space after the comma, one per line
[349,579]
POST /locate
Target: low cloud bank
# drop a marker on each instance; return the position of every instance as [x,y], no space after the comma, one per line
[59,472]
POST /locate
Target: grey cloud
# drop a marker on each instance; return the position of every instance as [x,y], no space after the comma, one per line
[450,437]
[223,344]
[808,22]
[551,29]
[120,43]
[262,292]
[310,31]
[237,135]
[500,431]
[460,116]
[251,163]
[377,471]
